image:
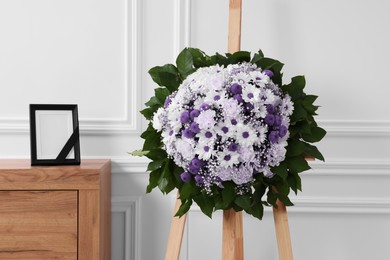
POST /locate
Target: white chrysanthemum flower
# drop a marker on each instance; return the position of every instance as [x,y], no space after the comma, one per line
[204,151]
[158,119]
[185,148]
[231,108]
[246,135]
[268,97]
[251,94]
[227,158]
[206,119]
[287,106]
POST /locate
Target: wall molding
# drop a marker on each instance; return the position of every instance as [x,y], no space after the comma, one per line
[181,26]
[131,122]
[130,206]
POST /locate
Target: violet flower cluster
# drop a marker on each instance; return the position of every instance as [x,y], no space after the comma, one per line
[225,124]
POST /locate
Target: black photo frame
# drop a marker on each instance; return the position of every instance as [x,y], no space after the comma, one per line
[54,134]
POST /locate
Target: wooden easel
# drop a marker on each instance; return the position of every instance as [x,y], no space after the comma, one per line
[232,238]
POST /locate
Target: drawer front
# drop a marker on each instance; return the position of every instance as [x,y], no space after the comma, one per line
[38,225]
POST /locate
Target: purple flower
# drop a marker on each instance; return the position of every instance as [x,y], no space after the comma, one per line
[167,101]
[204,106]
[233,121]
[185,116]
[199,179]
[238,97]
[269,119]
[282,130]
[194,113]
[249,106]
[193,169]
[206,148]
[232,147]
[217,97]
[185,176]
[250,95]
[225,129]
[208,134]
[270,108]
[273,136]
[197,163]
[245,134]
[194,127]
[268,73]
[227,157]
[278,120]
[236,88]
[188,133]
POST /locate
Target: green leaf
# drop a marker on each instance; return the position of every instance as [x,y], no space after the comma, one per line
[295,88]
[313,151]
[139,153]
[281,170]
[219,59]
[187,190]
[257,56]
[147,113]
[257,211]
[286,201]
[295,147]
[317,133]
[156,154]
[153,101]
[294,181]
[153,141]
[166,76]
[243,201]
[185,63]
[165,183]
[154,178]
[161,94]
[228,193]
[200,59]
[271,197]
[183,209]
[239,56]
[298,164]
[205,204]
[155,165]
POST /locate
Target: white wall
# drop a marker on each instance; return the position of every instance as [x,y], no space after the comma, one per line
[96,53]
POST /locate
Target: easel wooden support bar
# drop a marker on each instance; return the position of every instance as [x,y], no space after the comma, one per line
[232,238]
[175,233]
[282,232]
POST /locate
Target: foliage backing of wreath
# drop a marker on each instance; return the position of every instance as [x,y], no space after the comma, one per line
[264,191]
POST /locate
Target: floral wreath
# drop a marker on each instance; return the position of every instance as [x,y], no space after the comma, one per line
[227,133]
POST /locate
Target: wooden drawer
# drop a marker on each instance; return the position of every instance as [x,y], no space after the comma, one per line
[38,225]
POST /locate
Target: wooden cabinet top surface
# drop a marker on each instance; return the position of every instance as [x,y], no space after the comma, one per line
[18,174]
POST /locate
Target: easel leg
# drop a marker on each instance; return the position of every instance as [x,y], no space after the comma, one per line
[282,232]
[232,238]
[175,234]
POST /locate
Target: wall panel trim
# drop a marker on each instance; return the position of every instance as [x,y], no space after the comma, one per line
[129,205]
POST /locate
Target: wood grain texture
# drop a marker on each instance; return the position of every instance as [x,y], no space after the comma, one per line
[175,234]
[90,181]
[19,174]
[234,33]
[282,232]
[232,238]
[38,225]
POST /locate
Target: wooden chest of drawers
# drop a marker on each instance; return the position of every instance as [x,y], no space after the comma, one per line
[56,212]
